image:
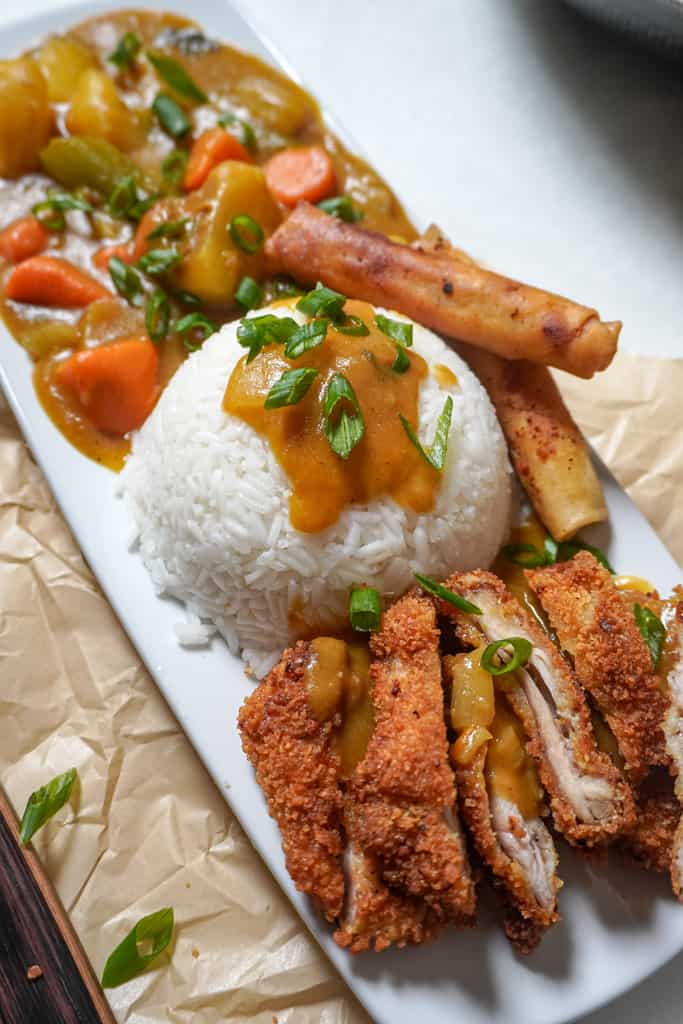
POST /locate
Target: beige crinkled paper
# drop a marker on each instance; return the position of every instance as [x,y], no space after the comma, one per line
[150,828]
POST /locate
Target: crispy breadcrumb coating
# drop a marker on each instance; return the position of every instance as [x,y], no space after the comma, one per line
[650,844]
[589,799]
[298,772]
[597,628]
[403,808]
[673,728]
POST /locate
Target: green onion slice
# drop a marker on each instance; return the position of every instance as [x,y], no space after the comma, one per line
[397,330]
[254,332]
[438,590]
[157,315]
[246,233]
[127,960]
[194,328]
[173,166]
[50,212]
[282,287]
[44,803]
[186,298]
[365,609]
[352,325]
[323,301]
[308,336]
[435,455]
[170,116]
[249,293]
[126,50]
[177,77]
[568,548]
[122,197]
[169,229]
[290,388]
[138,210]
[342,419]
[245,133]
[341,207]
[521,652]
[401,362]
[526,555]
[126,281]
[159,261]
[652,630]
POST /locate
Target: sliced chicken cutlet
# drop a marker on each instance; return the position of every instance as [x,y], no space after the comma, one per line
[298,771]
[375,916]
[403,808]
[590,801]
[596,626]
[650,843]
[673,728]
[501,802]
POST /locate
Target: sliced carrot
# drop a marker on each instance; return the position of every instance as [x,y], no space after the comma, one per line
[306,172]
[49,281]
[116,384]
[102,256]
[141,242]
[212,147]
[25,237]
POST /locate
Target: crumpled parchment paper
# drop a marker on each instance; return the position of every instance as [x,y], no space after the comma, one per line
[149,829]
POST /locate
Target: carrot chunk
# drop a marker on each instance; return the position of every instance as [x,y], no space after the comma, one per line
[115,384]
[49,281]
[25,237]
[212,147]
[141,242]
[102,256]
[306,172]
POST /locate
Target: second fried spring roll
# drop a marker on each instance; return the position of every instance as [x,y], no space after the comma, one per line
[547,449]
[459,299]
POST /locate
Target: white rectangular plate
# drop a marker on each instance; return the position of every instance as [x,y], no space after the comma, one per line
[616,929]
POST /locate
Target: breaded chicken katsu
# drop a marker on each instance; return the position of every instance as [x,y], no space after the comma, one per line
[464,710]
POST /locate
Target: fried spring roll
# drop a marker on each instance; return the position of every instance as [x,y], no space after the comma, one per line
[590,801]
[511,840]
[547,449]
[596,626]
[459,299]
[403,809]
[299,773]
[673,728]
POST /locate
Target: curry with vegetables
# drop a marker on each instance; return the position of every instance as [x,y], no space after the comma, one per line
[134,214]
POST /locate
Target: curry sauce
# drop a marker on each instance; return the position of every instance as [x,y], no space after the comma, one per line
[384,463]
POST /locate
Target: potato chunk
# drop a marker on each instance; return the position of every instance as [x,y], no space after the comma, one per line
[63,61]
[213,266]
[26,119]
[98,110]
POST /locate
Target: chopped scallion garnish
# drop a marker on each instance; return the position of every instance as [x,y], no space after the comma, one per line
[241,129]
[435,455]
[173,166]
[531,557]
[249,293]
[186,298]
[126,281]
[126,50]
[398,330]
[171,116]
[159,261]
[157,315]
[401,363]
[352,325]
[194,328]
[290,388]
[323,301]
[254,332]
[492,663]
[342,419]
[341,207]
[652,630]
[50,212]
[127,960]
[365,609]
[122,197]
[177,77]
[246,233]
[308,336]
[44,803]
[169,229]
[526,555]
[438,590]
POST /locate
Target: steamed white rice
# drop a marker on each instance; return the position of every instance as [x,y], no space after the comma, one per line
[210,504]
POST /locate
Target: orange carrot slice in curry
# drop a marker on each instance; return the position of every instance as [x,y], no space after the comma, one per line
[115,384]
[23,238]
[212,147]
[50,281]
[304,172]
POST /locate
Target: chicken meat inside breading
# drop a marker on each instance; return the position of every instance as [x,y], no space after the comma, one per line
[673,728]
[596,626]
[590,801]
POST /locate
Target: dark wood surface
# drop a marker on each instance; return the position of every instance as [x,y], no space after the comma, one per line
[34,930]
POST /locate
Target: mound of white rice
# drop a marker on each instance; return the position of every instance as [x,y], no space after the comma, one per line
[210,504]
